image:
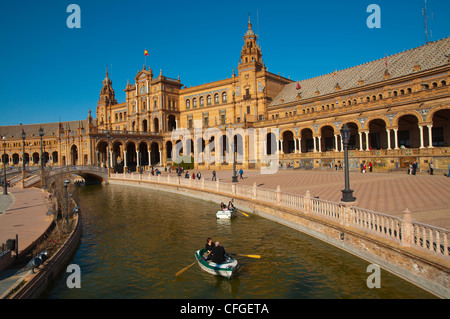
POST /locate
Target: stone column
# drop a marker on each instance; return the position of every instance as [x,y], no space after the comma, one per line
[335,143]
[430,136]
[421,136]
[124,159]
[314,140]
[300,145]
[342,144]
[360,141]
[367,141]
[138,159]
[388,132]
[395,139]
[295,145]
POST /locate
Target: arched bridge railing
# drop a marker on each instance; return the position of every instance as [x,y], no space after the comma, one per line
[101,172]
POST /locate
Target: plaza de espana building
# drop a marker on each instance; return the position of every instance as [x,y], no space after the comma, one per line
[397,109]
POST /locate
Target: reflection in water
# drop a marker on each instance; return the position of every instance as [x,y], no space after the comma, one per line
[135,240]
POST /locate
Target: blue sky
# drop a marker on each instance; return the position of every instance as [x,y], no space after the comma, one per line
[50,72]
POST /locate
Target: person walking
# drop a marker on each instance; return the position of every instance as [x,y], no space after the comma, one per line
[448,175]
[214,175]
[431,168]
[241,172]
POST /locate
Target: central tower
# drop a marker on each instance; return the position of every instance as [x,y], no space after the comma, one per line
[251,52]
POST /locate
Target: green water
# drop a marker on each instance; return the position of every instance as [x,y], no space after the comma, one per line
[135,240]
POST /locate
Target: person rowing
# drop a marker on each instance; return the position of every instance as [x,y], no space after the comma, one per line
[218,254]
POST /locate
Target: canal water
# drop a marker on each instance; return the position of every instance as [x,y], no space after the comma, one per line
[135,240]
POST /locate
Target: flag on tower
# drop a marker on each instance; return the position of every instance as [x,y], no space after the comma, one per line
[146,52]
[298,86]
[335,72]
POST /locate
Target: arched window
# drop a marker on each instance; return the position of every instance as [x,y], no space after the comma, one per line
[395,93]
[188,103]
[208,100]
[224,97]
[202,101]
[443,83]
[194,102]
[216,98]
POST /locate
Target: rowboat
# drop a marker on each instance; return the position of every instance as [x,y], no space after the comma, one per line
[226,269]
[226,213]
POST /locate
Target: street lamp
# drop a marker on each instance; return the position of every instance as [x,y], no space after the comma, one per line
[179,160]
[41,134]
[24,135]
[347,193]
[234,178]
[5,187]
[66,183]
[108,136]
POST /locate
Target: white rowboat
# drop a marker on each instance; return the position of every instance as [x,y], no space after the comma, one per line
[226,269]
[226,214]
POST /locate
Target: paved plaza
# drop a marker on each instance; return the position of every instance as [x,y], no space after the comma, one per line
[23,212]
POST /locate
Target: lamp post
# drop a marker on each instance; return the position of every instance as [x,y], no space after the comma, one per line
[41,134]
[5,187]
[23,157]
[178,160]
[234,179]
[347,193]
[66,183]
[108,136]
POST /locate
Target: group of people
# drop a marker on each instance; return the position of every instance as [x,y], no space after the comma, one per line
[364,166]
[198,175]
[224,207]
[215,252]
[412,168]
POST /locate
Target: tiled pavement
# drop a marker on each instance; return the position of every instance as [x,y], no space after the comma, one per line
[23,213]
[426,196]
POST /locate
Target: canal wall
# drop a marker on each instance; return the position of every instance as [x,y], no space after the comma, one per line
[37,282]
[415,252]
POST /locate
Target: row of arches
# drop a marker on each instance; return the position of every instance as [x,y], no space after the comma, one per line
[33,158]
[374,134]
[129,155]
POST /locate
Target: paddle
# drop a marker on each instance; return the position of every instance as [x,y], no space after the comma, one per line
[186,268]
[242,213]
[232,200]
[250,256]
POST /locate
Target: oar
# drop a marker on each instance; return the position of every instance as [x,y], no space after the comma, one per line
[186,268]
[251,256]
[242,213]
